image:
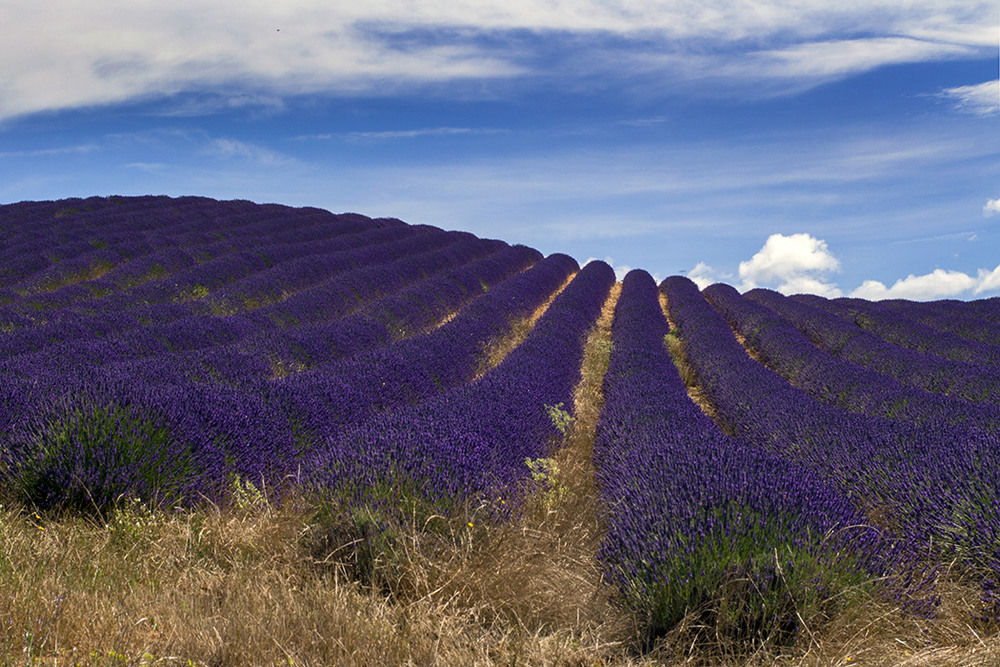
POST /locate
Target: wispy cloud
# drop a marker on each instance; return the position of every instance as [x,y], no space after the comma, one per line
[952,236]
[981,100]
[386,135]
[816,62]
[232,148]
[66,54]
[212,103]
[644,122]
[48,152]
[147,166]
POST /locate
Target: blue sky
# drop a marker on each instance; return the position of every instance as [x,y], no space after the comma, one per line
[791,144]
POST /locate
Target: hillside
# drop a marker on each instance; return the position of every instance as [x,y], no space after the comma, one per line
[239,433]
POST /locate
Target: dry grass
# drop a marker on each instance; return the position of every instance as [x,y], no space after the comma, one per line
[240,587]
[247,585]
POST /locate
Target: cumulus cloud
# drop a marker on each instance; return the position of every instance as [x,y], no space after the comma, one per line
[703,275]
[63,53]
[981,100]
[989,281]
[794,263]
[620,269]
[992,207]
[939,284]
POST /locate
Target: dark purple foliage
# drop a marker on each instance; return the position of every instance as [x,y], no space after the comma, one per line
[898,328]
[852,343]
[832,379]
[418,368]
[471,443]
[934,487]
[691,509]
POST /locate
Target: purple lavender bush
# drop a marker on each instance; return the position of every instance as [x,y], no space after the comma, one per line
[702,523]
[786,350]
[469,443]
[934,488]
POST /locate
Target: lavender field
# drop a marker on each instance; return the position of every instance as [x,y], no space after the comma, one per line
[177,352]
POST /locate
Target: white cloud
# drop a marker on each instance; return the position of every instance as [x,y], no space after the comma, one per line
[992,207]
[795,263]
[232,148]
[63,53]
[804,284]
[147,166]
[939,284]
[825,60]
[46,152]
[981,100]
[703,275]
[408,134]
[989,281]
[620,270]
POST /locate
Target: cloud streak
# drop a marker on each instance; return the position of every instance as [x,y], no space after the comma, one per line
[66,54]
[980,100]
[389,135]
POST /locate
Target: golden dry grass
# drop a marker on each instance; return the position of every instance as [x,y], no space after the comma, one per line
[246,584]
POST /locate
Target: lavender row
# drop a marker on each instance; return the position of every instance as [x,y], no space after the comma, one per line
[693,511]
[87,440]
[419,368]
[177,439]
[406,313]
[936,487]
[258,228]
[257,355]
[229,267]
[784,349]
[977,321]
[852,343]
[289,267]
[72,232]
[131,309]
[336,297]
[472,442]
[166,327]
[53,232]
[899,329]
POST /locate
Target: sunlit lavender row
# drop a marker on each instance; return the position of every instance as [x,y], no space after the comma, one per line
[163,349]
[694,511]
[830,378]
[934,486]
